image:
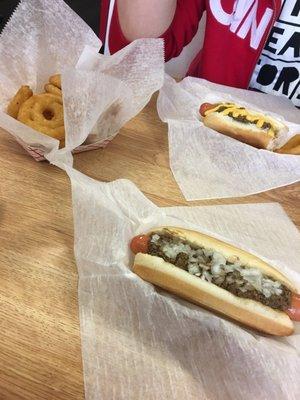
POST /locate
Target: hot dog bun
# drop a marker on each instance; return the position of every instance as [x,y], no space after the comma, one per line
[250,133]
[249,312]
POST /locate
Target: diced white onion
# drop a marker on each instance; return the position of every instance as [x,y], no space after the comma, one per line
[216,269]
[199,264]
[208,252]
[155,238]
[208,276]
[193,269]
[232,259]
[172,250]
[229,268]
[266,293]
[218,258]
[204,266]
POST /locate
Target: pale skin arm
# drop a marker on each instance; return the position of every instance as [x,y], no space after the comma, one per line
[145,18]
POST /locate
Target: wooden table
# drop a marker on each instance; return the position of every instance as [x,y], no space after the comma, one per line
[40,354]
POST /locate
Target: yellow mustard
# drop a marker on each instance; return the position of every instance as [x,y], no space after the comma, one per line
[236,112]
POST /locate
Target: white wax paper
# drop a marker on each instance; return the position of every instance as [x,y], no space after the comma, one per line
[42,38]
[45,37]
[207,164]
[138,342]
[140,66]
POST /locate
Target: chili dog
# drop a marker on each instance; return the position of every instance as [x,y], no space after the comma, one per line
[247,126]
[218,276]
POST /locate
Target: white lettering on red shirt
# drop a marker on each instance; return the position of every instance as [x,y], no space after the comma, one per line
[243,19]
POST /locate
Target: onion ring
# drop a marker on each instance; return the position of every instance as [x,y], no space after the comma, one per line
[55,80]
[44,113]
[23,94]
[49,88]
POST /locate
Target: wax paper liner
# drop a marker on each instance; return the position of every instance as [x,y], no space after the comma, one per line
[140,67]
[138,342]
[89,98]
[207,164]
[45,37]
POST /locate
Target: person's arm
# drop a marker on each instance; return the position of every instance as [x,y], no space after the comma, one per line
[177,26]
[145,18]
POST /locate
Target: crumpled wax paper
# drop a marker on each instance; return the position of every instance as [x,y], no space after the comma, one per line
[140,68]
[139,342]
[207,164]
[41,38]
[45,37]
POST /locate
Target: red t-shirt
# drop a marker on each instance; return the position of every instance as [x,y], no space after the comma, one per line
[235,34]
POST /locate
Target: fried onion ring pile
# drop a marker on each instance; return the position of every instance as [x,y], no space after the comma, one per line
[42,112]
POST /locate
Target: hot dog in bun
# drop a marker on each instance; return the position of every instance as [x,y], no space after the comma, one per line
[218,276]
[247,126]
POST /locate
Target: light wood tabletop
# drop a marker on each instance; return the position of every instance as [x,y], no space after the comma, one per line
[40,353]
